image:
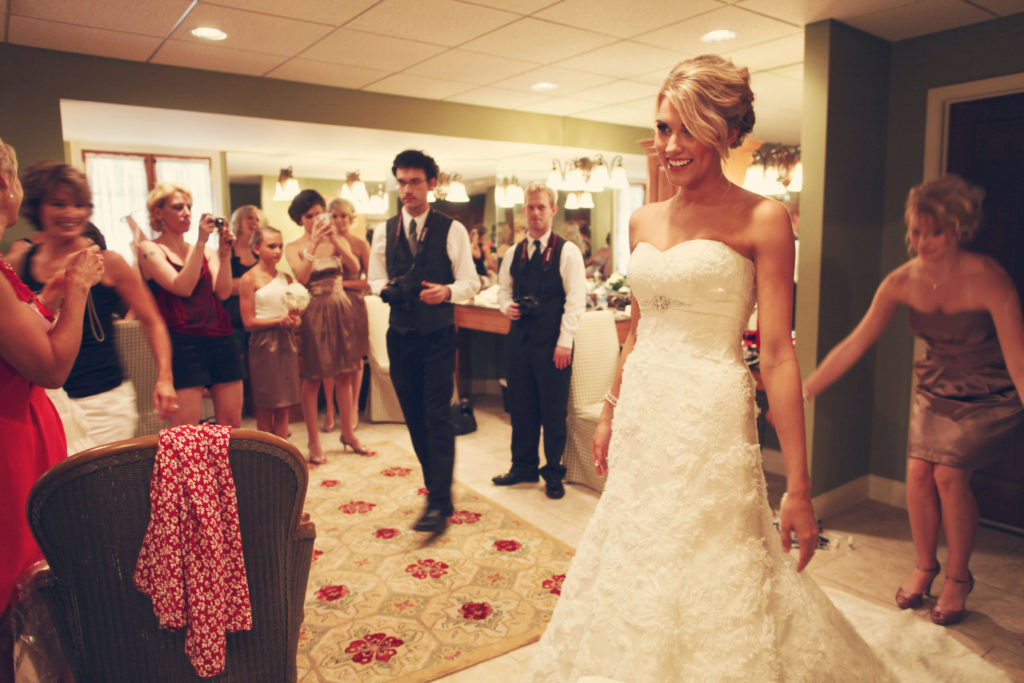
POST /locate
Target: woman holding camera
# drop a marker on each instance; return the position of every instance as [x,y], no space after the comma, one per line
[189,282]
[328,341]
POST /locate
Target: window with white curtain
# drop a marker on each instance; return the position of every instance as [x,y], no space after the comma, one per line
[120,183]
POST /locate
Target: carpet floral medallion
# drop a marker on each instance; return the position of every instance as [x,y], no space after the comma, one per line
[385,604]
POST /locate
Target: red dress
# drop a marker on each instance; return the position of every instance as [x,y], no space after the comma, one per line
[32,441]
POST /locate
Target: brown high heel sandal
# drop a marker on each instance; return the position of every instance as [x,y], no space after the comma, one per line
[360,450]
[914,600]
[957,615]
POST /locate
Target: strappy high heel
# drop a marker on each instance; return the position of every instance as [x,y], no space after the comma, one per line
[957,615]
[359,450]
[914,600]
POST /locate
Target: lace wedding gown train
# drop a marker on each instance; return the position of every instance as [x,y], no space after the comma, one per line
[680,574]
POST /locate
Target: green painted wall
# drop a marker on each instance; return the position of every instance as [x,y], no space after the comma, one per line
[971,53]
[845,105]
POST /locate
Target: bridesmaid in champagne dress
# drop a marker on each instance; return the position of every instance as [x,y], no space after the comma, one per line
[967,402]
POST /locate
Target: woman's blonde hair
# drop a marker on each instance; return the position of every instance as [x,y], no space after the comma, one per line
[158,196]
[713,98]
[257,235]
[952,202]
[344,204]
[8,160]
[241,212]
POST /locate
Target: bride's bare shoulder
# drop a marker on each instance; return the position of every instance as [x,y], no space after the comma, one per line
[646,219]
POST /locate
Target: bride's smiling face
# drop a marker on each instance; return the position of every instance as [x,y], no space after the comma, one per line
[686,160]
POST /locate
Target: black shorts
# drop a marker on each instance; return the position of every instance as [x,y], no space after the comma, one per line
[199,361]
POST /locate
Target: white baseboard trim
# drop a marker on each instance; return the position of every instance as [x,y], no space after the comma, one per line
[869,486]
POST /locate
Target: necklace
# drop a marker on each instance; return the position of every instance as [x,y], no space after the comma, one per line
[938,283]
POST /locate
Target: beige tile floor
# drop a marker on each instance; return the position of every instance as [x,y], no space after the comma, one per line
[872,569]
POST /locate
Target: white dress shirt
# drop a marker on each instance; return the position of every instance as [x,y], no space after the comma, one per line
[467,282]
[574,281]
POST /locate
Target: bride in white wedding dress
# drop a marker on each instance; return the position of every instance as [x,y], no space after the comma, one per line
[681,574]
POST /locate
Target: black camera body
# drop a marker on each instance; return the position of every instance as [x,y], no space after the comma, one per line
[528,305]
[401,291]
[219,223]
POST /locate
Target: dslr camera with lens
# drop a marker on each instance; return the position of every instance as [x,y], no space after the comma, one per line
[403,290]
[528,305]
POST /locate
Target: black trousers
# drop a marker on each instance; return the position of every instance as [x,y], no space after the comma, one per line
[538,394]
[422,372]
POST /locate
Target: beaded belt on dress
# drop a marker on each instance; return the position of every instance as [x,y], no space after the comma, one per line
[661,303]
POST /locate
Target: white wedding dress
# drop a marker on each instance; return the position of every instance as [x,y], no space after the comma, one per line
[680,574]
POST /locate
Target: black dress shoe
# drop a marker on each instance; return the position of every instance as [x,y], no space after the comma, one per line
[513,477]
[554,488]
[434,521]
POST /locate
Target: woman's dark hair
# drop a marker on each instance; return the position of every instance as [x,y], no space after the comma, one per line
[303,202]
[43,178]
[414,158]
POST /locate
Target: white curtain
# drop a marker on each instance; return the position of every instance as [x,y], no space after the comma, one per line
[119,189]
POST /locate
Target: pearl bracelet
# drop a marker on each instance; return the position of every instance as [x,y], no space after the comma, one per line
[612,400]
[306,255]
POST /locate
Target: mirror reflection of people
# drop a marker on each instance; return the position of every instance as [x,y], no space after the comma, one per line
[681,572]
[425,260]
[328,342]
[35,352]
[189,281]
[600,263]
[245,220]
[542,288]
[967,401]
[58,202]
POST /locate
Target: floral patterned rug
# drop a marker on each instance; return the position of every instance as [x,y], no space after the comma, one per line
[384,605]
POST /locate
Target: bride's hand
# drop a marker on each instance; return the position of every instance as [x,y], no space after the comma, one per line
[599,446]
[797,515]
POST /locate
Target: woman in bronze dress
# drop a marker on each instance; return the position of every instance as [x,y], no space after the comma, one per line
[967,402]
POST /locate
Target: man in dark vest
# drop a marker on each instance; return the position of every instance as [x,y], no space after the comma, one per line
[542,288]
[420,263]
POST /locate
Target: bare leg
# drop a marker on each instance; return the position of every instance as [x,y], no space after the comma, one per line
[329,391]
[265,419]
[190,406]
[923,510]
[227,403]
[280,421]
[347,413]
[308,395]
[357,384]
[959,521]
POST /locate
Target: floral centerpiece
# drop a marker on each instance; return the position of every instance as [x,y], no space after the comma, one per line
[296,297]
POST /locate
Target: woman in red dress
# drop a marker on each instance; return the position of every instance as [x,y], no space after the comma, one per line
[34,353]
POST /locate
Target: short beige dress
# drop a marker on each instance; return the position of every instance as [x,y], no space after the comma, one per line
[966,407]
[273,352]
[328,339]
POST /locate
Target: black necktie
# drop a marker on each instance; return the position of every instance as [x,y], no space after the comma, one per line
[536,258]
[414,244]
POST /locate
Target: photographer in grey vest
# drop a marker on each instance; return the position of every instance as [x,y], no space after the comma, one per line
[420,263]
[542,289]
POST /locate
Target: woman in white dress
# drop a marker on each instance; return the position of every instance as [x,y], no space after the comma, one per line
[681,574]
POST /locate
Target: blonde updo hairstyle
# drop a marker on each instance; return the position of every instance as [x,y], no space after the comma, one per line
[345,204]
[241,212]
[952,202]
[8,160]
[713,98]
[158,197]
[259,234]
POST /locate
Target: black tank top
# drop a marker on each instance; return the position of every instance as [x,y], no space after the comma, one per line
[97,367]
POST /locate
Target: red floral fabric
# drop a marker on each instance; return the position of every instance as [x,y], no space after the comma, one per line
[191,563]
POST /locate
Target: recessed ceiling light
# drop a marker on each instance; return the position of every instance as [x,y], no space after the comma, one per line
[209,33]
[543,86]
[718,36]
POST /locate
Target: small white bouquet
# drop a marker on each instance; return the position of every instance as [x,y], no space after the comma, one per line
[296,297]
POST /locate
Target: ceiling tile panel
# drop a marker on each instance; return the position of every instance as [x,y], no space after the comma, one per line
[750,29]
[559,106]
[91,41]
[793,71]
[358,48]
[1003,8]
[333,12]
[418,86]
[215,58]
[501,98]
[802,12]
[919,18]
[325,73]
[777,92]
[625,59]
[566,80]
[517,6]
[621,114]
[617,92]
[769,55]
[442,22]
[538,41]
[776,125]
[471,67]
[150,17]
[624,20]
[252,31]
